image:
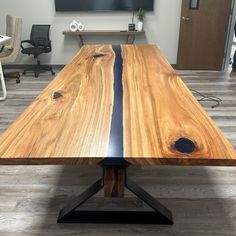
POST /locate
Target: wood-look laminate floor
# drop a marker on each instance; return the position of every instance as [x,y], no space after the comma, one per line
[202,199]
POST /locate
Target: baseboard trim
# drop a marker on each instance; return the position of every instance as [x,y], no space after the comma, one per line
[54,66]
[23,66]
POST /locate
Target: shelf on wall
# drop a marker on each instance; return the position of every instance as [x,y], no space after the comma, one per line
[130,34]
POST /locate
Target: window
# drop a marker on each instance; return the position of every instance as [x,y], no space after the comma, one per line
[194,4]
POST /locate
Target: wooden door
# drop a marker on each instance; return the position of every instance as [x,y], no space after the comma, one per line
[203,33]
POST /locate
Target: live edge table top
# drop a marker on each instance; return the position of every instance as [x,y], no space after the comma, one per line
[151,115]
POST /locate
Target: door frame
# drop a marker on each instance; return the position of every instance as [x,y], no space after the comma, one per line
[230,34]
[229,37]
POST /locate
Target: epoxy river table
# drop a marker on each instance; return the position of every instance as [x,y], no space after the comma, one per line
[115,106]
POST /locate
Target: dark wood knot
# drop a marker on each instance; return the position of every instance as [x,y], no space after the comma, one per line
[184,145]
[98,55]
[57,95]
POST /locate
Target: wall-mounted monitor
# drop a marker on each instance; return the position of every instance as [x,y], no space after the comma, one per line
[103,5]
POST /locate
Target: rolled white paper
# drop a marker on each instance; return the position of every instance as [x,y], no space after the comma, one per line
[80,27]
[74,26]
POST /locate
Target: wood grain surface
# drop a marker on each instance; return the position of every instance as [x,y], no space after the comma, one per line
[70,126]
[114,182]
[69,122]
[159,110]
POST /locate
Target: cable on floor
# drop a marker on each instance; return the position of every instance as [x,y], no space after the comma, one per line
[208,98]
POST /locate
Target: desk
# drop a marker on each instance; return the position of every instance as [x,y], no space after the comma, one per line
[130,34]
[114,107]
[3,39]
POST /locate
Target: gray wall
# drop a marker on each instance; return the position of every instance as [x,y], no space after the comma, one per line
[162,26]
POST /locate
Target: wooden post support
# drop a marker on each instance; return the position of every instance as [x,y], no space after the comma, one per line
[114,181]
[130,39]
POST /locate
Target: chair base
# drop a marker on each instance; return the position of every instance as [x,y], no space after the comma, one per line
[37,69]
[14,74]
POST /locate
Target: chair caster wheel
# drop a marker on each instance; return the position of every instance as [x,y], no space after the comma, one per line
[17,81]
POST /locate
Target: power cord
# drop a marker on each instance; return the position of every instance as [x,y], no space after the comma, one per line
[207,98]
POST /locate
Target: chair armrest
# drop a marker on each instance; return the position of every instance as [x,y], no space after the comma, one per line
[26,41]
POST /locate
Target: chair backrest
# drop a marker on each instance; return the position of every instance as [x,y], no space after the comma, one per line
[14,30]
[9,28]
[40,35]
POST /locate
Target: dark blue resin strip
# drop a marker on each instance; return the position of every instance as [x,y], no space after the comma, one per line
[115,148]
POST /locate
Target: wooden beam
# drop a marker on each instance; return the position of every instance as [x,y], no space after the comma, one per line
[114,182]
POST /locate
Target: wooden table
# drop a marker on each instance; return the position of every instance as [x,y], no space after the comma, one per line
[3,39]
[80,34]
[116,106]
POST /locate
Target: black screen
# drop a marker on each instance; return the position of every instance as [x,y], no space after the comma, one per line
[103,5]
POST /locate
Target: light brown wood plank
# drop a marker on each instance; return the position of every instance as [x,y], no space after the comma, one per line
[74,128]
[159,110]
[114,182]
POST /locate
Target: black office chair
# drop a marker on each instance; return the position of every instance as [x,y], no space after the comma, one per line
[40,43]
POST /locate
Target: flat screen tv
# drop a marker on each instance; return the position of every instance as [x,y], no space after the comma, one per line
[103,5]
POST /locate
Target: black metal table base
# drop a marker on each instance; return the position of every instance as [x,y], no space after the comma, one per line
[71,214]
[115,217]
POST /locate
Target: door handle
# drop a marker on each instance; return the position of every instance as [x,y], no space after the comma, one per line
[185,18]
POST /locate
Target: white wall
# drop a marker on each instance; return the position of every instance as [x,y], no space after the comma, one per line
[162,26]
